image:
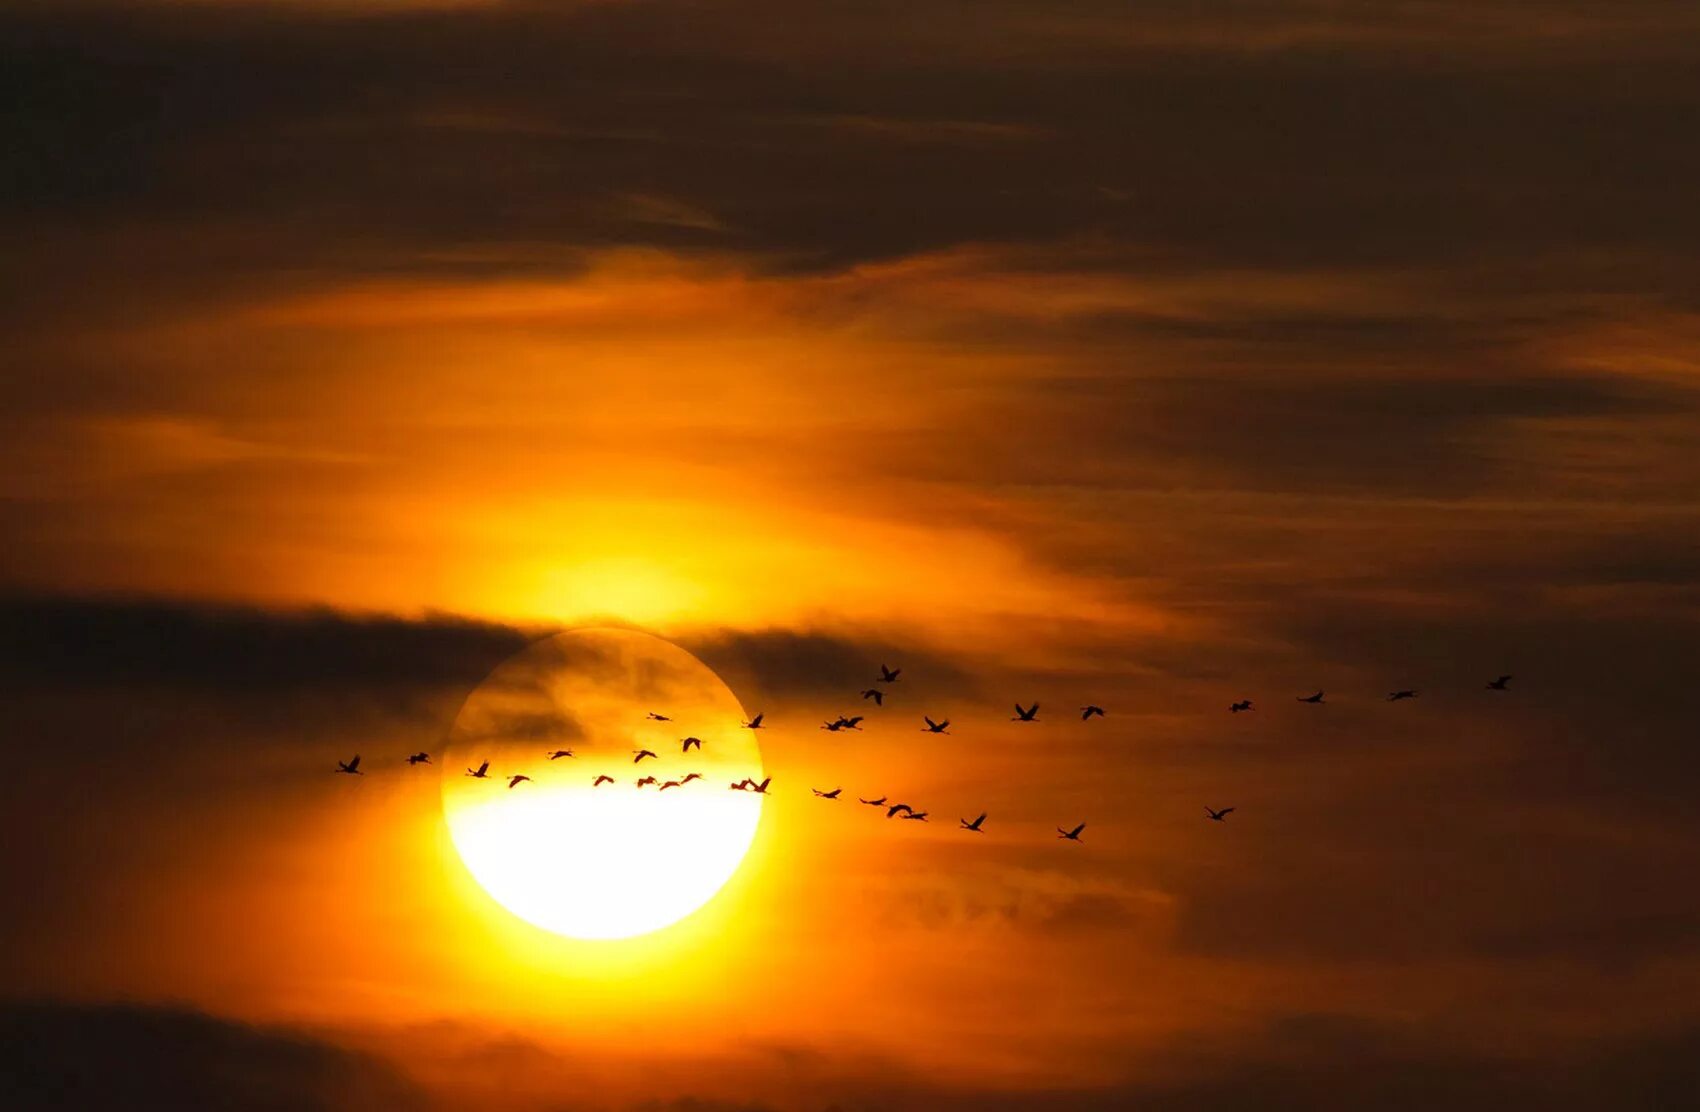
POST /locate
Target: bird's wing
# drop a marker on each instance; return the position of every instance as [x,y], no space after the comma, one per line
[1227,810]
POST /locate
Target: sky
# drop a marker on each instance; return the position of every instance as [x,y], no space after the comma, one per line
[1152,355]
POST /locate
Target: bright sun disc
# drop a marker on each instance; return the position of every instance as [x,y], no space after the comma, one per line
[614,860]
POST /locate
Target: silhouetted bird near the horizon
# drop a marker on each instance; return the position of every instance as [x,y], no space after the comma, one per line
[645,781]
[876,695]
[889,675]
[1317,698]
[916,816]
[512,780]
[641,754]
[880,802]
[975,825]
[1027,714]
[835,725]
[761,788]
[1500,684]
[1219,815]
[1088,712]
[755,723]
[350,767]
[854,722]
[689,776]
[1395,696]
[659,717]
[1243,704]
[1071,835]
[669,784]
[478,773]
[932,727]
[559,753]
[600,780]
[419,759]
[686,743]
[896,807]
[833,794]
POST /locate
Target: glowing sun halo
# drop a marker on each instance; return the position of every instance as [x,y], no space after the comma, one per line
[615,860]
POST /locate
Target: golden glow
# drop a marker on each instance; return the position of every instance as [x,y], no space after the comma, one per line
[615,860]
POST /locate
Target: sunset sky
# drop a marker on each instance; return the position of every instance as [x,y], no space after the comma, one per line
[1147,354]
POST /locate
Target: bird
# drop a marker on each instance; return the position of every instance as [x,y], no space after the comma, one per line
[688,777]
[641,754]
[852,723]
[1028,714]
[659,717]
[1317,698]
[559,753]
[419,759]
[1218,816]
[669,784]
[975,825]
[1499,684]
[1395,696]
[880,802]
[1243,704]
[835,725]
[761,788]
[917,816]
[889,675]
[755,723]
[932,727]
[1071,835]
[600,780]
[896,807]
[478,773]
[513,780]
[833,794]
[876,695]
[350,767]
[645,781]
[1088,711]
[686,743]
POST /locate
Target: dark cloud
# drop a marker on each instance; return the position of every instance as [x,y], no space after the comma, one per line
[794,665]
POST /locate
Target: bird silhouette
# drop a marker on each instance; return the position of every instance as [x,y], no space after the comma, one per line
[889,675]
[1317,698]
[917,816]
[896,807]
[645,781]
[559,753]
[852,723]
[932,727]
[659,717]
[761,788]
[833,794]
[350,767]
[419,759]
[641,754]
[600,780]
[686,743]
[1071,835]
[669,784]
[1087,712]
[1028,714]
[513,780]
[1501,684]
[1218,816]
[1243,704]
[880,802]
[876,695]
[1395,696]
[835,725]
[478,773]
[975,825]
[689,776]
[755,723]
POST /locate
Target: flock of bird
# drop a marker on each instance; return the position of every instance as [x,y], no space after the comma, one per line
[877,695]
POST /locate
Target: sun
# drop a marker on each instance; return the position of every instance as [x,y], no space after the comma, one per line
[601,860]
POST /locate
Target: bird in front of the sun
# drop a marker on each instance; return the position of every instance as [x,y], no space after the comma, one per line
[686,743]
[653,717]
[420,758]
[515,781]
[932,727]
[479,773]
[889,675]
[1503,683]
[1071,835]
[1397,696]
[876,695]
[761,788]
[833,794]
[755,723]
[880,802]
[559,753]
[645,781]
[975,825]
[669,784]
[1088,712]
[1218,816]
[1026,714]
[896,807]
[1242,705]
[352,767]
[640,754]
[600,780]
[1317,698]
[740,785]
[688,777]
